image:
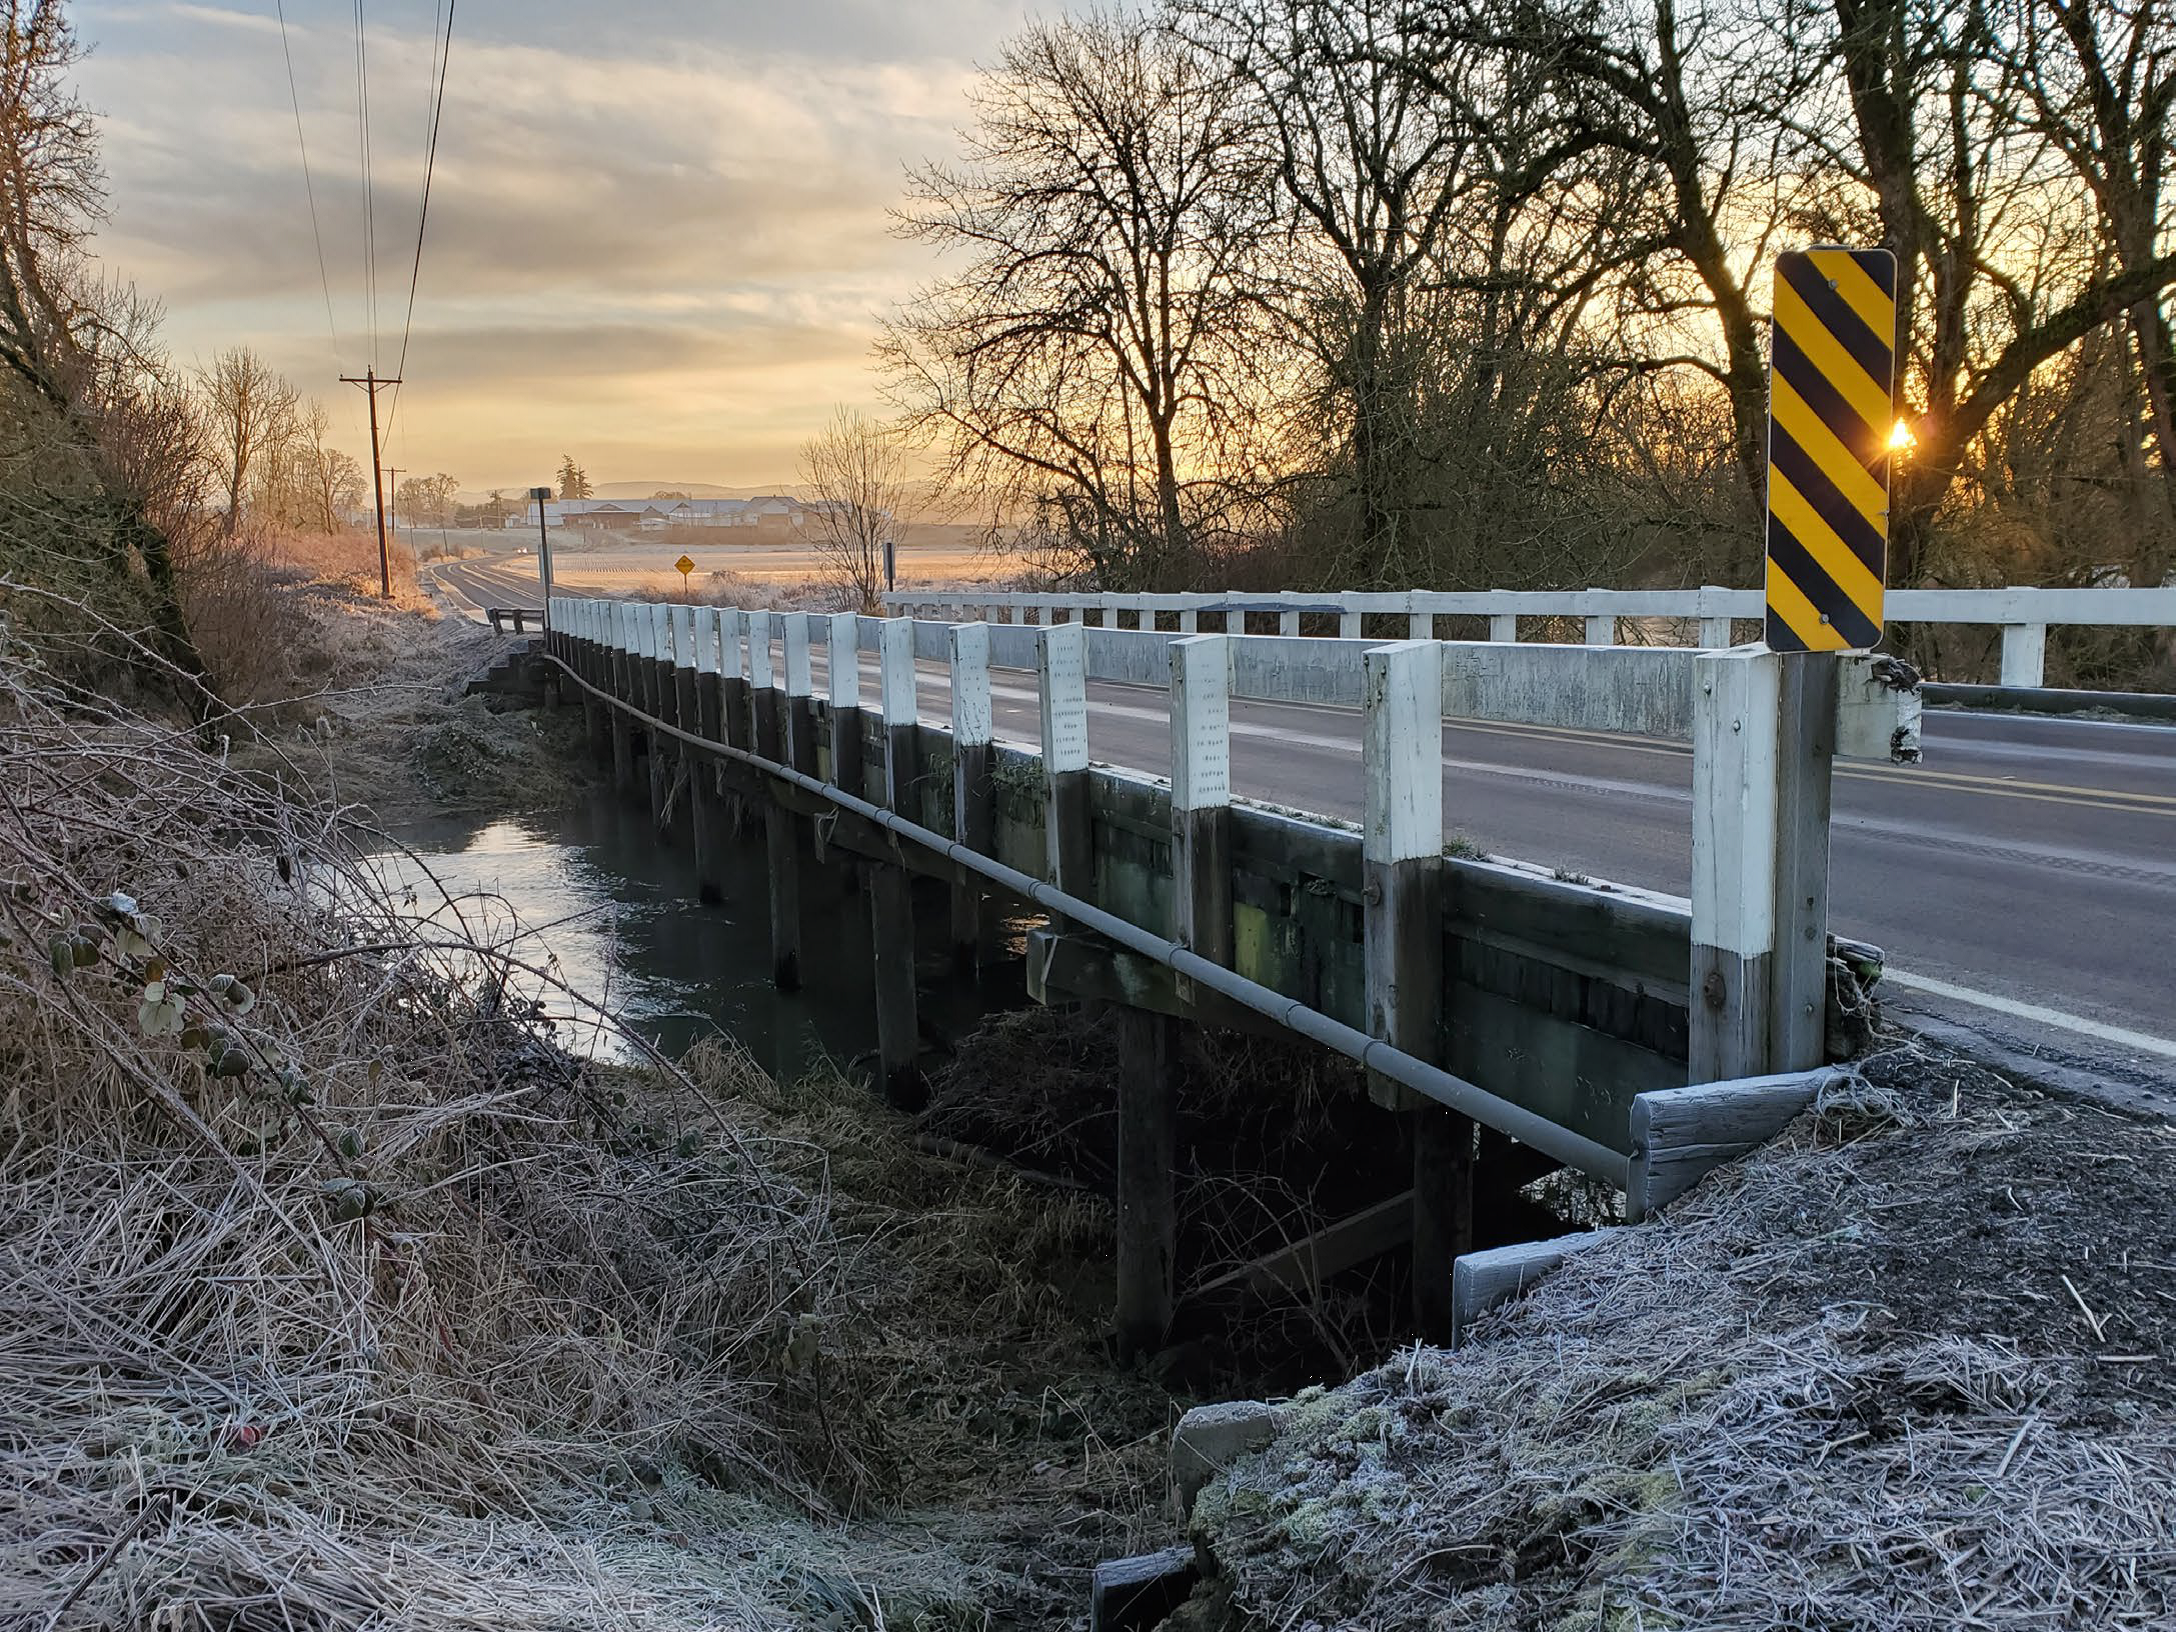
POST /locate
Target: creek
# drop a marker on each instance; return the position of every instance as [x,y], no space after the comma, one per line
[590,892]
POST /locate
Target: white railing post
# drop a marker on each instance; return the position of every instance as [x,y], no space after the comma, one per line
[1201,795]
[1736,776]
[801,747]
[1062,664]
[842,654]
[974,816]
[1348,625]
[1504,626]
[2024,654]
[1402,945]
[1602,629]
[1714,625]
[896,703]
[763,688]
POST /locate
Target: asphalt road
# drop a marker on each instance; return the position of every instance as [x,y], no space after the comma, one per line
[2022,880]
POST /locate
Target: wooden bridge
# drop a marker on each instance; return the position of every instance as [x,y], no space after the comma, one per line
[1509,1014]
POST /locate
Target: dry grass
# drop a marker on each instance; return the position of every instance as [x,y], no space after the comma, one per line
[1908,1368]
[332,1295]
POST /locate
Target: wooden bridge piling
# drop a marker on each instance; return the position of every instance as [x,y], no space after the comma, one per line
[1147,1211]
[706,814]
[974,817]
[780,844]
[656,688]
[1402,938]
[891,899]
[621,619]
[843,656]
[1061,653]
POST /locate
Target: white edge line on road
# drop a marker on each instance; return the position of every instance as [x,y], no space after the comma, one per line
[2032,1011]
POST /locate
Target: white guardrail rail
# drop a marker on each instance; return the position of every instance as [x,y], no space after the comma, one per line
[2023,615]
[1760,802]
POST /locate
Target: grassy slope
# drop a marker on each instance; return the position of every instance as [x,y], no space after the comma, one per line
[402,1317]
[1910,1367]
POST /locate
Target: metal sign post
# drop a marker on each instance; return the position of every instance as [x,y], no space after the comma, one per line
[1831,416]
[544,550]
[684,566]
[891,565]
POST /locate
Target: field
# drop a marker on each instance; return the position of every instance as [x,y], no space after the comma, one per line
[934,554]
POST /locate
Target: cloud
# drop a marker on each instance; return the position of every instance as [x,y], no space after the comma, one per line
[677,210]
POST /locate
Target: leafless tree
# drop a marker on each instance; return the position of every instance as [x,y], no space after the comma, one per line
[1093,360]
[2098,83]
[254,416]
[855,475]
[428,501]
[78,356]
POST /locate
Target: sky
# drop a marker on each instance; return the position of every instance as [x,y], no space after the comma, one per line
[658,236]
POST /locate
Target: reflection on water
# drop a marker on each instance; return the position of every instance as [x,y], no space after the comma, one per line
[612,912]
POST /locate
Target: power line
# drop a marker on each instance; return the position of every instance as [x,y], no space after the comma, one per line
[442,61]
[370,214]
[309,187]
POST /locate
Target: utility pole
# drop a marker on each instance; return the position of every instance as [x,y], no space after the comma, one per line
[370,382]
[544,550]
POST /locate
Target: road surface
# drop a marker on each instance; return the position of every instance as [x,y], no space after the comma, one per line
[2022,880]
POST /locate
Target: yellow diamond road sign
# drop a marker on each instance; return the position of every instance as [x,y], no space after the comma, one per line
[1830,415]
[684,566]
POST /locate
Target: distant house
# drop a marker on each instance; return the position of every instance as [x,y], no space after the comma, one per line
[768,513]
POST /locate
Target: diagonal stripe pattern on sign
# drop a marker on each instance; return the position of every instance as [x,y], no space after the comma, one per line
[1830,379]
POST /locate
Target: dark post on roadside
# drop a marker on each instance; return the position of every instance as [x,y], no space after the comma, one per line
[544,550]
[891,565]
[370,383]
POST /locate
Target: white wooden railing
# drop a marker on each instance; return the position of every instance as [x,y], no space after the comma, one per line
[2023,615]
[1760,771]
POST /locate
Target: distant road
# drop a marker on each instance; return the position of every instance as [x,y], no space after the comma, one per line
[2029,865]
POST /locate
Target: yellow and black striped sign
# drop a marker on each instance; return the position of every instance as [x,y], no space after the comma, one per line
[1830,415]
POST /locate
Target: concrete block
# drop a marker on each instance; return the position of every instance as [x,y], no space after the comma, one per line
[1210,1438]
[1133,1594]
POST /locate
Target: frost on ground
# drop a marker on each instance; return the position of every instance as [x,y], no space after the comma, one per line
[1908,1368]
[333,1295]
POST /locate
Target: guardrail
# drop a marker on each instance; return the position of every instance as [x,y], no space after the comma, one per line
[1763,730]
[2023,615]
